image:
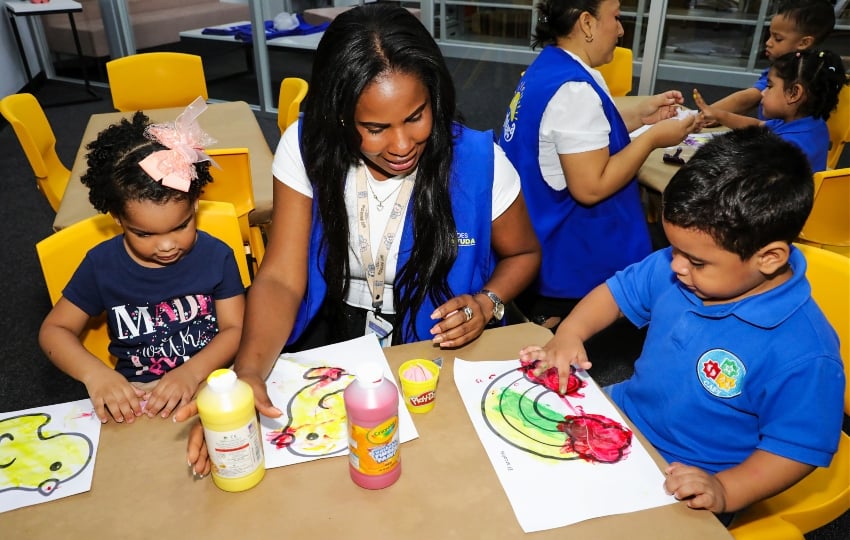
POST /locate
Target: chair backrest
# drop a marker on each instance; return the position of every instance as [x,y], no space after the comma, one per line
[232,183]
[828,225]
[38,141]
[618,72]
[292,92]
[839,128]
[62,252]
[824,495]
[156,80]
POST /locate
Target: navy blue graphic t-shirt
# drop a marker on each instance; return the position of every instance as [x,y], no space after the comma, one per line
[158,318]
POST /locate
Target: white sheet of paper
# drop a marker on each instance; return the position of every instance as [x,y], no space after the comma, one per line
[47,453]
[547,484]
[307,387]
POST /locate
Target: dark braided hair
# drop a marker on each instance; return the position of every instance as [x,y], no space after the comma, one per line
[114,176]
[819,72]
[558,17]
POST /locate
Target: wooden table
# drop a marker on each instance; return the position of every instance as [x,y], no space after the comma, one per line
[142,487]
[232,124]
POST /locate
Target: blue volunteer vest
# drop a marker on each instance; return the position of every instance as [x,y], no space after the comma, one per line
[582,245]
[471,192]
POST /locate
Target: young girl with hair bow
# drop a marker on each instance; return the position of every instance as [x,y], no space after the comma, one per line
[171,293]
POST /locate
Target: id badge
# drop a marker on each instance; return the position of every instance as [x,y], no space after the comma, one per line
[375,324]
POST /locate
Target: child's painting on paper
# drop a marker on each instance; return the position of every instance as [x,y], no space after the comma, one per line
[560,459]
[47,453]
[307,387]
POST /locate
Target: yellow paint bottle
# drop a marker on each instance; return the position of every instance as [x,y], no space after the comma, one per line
[231,430]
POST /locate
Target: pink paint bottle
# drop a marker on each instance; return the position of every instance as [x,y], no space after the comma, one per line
[371,404]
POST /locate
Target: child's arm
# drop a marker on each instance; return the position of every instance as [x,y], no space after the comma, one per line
[760,476]
[739,102]
[178,386]
[595,312]
[711,114]
[109,391]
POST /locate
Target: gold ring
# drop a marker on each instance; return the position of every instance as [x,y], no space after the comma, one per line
[468,312]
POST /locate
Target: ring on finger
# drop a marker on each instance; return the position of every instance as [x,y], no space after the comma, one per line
[468,312]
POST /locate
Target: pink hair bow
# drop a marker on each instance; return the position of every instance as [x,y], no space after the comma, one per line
[185,141]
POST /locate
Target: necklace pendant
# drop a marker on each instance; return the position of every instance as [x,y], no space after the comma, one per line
[380,206]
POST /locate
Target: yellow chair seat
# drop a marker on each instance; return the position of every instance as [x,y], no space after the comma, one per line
[839,128]
[156,80]
[292,92]
[38,141]
[828,225]
[618,72]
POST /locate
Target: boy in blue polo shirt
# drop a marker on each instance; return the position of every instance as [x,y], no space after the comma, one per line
[739,384]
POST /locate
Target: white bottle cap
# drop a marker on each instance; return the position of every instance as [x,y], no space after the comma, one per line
[221,380]
[369,374]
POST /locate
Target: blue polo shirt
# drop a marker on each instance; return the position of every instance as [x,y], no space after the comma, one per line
[714,383]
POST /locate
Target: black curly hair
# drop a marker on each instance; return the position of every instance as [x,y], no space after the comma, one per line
[114,176]
[819,72]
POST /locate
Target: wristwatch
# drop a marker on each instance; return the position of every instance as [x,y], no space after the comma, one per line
[498,306]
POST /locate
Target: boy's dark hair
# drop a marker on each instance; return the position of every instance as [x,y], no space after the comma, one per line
[819,72]
[814,18]
[745,188]
[114,176]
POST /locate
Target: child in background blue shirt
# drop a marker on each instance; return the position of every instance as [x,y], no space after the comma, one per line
[802,91]
[740,383]
[172,294]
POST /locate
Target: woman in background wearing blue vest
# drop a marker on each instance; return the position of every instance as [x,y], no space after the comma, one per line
[380,176]
[571,147]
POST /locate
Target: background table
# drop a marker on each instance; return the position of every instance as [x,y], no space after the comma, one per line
[232,125]
[28,9]
[448,490]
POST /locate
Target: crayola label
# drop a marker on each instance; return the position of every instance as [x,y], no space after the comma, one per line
[374,451]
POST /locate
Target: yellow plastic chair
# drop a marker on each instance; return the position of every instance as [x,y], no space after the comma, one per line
[618,72]
[37,139]
[824,495]
[828,226]
[155,80]
[232,183]
[839,128]
[62,252]
[292,92]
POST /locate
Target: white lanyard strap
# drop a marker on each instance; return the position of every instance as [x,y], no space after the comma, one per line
[375,269]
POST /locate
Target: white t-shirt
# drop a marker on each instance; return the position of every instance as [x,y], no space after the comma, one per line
[572,122]
[288,167]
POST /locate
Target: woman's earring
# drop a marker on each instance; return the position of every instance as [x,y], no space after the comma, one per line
[588,39]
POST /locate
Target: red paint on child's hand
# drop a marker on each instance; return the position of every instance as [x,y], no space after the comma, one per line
[549,379]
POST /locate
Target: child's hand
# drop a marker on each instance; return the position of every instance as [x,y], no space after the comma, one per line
[112,395]
[709,118]
[561,354]
[175,388]
[699,488]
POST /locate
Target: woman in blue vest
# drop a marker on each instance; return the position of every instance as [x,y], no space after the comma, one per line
[389,217]
[571,147]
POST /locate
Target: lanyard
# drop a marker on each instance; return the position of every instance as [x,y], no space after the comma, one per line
[375,269]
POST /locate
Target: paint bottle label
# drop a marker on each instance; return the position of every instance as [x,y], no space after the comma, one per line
[374,451]
[235,453]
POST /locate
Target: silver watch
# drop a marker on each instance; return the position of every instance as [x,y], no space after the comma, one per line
[498,305]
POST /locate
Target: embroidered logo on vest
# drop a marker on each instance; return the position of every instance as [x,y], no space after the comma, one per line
[721,373]
[510,118]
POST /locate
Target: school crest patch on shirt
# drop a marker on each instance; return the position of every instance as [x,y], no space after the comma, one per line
[721,373]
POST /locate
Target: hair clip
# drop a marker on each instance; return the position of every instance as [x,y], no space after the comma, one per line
[820,54]
[797,54]
[544,19]
[185,141]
